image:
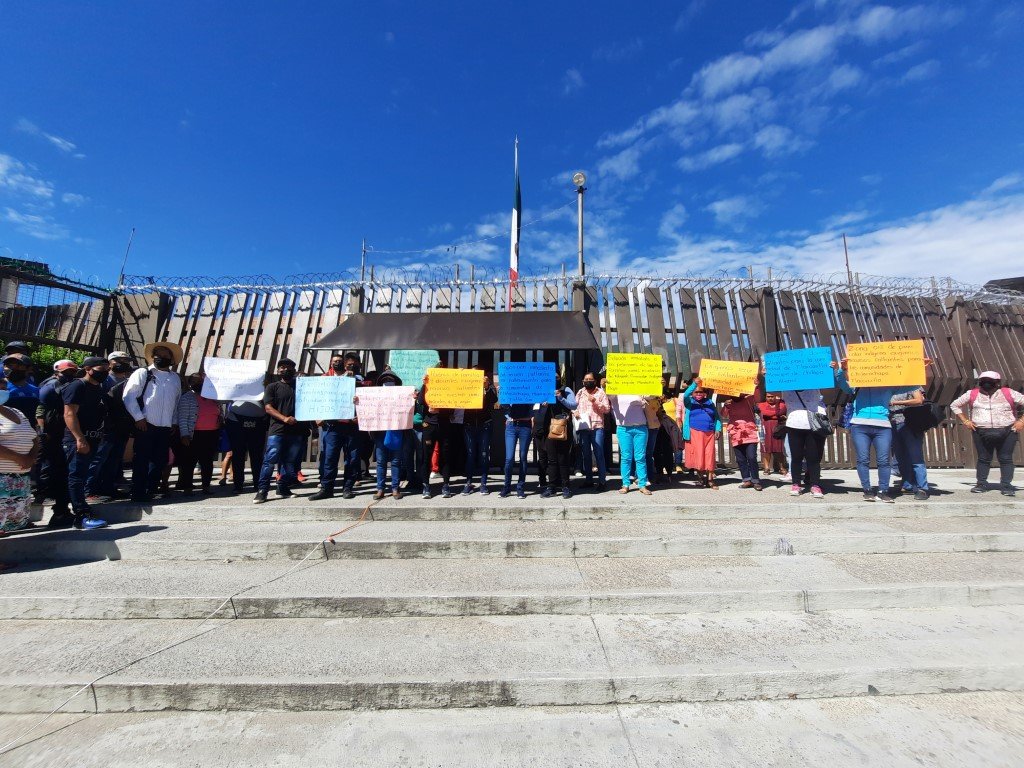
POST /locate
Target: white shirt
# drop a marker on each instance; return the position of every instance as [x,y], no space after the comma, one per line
[160,400]
[18,437]
[796,412]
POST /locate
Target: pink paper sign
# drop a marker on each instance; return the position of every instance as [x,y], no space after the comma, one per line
[383,408]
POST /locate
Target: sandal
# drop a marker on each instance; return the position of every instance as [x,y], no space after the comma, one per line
[646,491]
[624,489]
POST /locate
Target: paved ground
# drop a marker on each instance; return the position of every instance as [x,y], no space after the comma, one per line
[671,630]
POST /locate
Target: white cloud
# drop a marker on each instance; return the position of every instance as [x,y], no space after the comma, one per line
[672,221]
[572,82]
[727,74]
[623,165]
[73,198]
[690,13]
[778,140]
[26,126]
[923,71]
[734,211]
[843,77]
[35,225]
[714,156]
[17,178]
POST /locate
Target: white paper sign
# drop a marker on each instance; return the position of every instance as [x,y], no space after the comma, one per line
[228,379]
[320,398]
[383,408]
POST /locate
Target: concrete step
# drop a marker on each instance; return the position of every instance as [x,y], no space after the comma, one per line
[398,663]
[511,539]
[943,731]
[140,589]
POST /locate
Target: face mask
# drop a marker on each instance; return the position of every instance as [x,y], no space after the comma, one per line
[590,386]
[337,367]
[15,376]
[98,375]
[67,375]
[987,386]
[161,362]
[120,368]
[700,397]
[287,375]
[4,394]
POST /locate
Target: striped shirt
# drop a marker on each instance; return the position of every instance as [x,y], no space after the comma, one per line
[17,437]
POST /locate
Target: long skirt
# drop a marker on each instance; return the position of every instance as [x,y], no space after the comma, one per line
[700,451]
[14,499]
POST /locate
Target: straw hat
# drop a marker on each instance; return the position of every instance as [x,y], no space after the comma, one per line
[175,350]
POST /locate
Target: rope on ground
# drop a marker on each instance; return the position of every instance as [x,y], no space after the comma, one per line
[195,633]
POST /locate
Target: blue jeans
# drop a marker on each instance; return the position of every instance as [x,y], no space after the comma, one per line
[151,447]
[864,437]
[335,440]
[591,446]
[478,451]
[105,465]
[652,441]
[522,434]
[78,472]
[908,446]
[385,456]
[285,450]
[633,453]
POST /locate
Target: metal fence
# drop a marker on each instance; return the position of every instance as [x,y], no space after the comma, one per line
[965,328]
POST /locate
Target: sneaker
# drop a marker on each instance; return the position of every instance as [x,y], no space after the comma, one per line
[921,495]
[787,478]
[284,493]
[483,490]
[434,475]
[547,493]
[300,476]
[795,490]
[577,474]
[446,491]
[816,492]
[89,523]
[426,492]
[885,498]
[1008,492]
[468,489]
[348,493]
[521,492]
[505,492]
[260,497]
[323,493]
[567,492]
[980,488]
[869,496]
[379,494]
[61,520]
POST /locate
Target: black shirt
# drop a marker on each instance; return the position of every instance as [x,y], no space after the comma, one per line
[475,417]
[280,395]
[89,399]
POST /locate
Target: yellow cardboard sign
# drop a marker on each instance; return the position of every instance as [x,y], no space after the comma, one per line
[455,388]
[728,377]
[631,373]
[886,364]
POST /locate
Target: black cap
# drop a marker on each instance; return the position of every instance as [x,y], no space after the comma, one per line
[18,358]
[94,362]
[389,376]
[286,361]
[17,346]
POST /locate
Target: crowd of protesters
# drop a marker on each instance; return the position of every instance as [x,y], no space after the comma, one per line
[65,438]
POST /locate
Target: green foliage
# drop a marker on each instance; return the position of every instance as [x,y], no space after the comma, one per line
[45,355]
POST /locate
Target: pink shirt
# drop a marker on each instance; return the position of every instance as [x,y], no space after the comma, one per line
[592,412]
[209,414]
[742,427]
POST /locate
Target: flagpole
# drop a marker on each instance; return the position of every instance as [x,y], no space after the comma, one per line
[517,218]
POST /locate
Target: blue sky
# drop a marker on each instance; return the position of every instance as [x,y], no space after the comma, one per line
[270,138]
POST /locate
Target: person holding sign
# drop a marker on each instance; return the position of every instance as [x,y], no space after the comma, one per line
[435,432]
[701,423]
[738,413]
[870,427]
[591,406]
[286,436]
[631,431]
[388,443]
[518,431]
[556,431]
[476,424]
[340,438]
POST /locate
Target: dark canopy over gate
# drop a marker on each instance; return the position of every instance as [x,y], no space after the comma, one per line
[461,330]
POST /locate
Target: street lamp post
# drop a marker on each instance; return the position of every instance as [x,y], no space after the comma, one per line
[579,179]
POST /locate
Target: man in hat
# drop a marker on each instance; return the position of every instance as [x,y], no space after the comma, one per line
[24,395]
[121,366]
[83,414]
[53,464]
[286,436]
[151,397]
[996,419]
[17,348]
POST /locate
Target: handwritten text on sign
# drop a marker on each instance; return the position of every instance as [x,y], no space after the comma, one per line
[319,398]
[455,388]
[886,364]
[728,377]
[525,383]
[798,369]
[411,364]
[633,374]
[228,379]
[383,408]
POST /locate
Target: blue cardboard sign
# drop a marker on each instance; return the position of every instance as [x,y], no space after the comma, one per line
[798,369]
[521,383]
[319,398]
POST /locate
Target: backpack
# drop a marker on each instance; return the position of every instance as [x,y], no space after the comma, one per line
[927,415]
[150,376]
[1006,393]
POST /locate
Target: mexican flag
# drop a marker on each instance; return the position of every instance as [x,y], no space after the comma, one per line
[517,222]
